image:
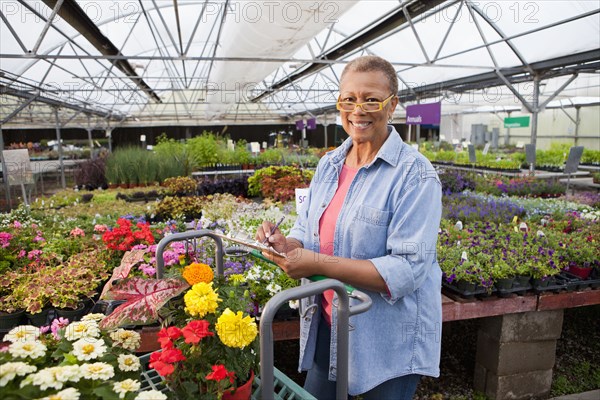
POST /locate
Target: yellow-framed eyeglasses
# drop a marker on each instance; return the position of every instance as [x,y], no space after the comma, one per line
[371,106]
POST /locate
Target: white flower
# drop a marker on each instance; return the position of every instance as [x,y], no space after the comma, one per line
[53,377]
[128,385]
[294,304]
[45,379]
[151,395]
[129,362]
[32,349]
[82,329]
[129,340]
[67,373]
[268,276]
[10,370]
[97,317]
[97,371]
[459,225]
[67,394]
[253,274]
[273,288]
[89,349]
[464,256]
[26,333]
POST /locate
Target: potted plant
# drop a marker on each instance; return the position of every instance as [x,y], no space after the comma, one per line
[72,361]
[12,306]
[503,274]
[596,178]
[208,342]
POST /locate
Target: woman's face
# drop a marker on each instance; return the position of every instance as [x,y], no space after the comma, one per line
[363,87]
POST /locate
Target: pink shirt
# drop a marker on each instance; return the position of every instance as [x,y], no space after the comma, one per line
[327,227]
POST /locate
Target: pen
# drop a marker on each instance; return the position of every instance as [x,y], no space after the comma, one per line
[273,229]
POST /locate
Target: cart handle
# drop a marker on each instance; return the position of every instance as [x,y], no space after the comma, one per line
[344,313]
[160,261]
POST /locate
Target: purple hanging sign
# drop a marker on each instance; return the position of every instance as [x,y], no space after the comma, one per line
[311,124]
[424,114]
[299,125]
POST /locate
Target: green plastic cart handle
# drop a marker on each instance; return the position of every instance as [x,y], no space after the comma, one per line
[314,278]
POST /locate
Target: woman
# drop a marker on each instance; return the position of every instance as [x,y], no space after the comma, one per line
[372,219]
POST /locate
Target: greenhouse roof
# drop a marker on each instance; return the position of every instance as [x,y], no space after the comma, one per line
[103,64]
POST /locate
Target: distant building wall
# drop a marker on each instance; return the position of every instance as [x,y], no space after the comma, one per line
[553,126]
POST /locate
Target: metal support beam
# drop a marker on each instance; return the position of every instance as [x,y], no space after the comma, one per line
[578,119]
[89,132]
[73,14]
[507,134]
[534,116]
[13,32]
[392,21]
[51,102]
[18,110]
[60,151]
[557,92]
[55,9]
[4,170]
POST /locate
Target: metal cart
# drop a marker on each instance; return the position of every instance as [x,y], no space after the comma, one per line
[272,384]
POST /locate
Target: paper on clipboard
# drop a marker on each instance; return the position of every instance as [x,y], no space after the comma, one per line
[252,244]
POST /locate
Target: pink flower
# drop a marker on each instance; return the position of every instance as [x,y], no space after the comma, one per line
[147,269]
[38,238]
[77,232]
[34,254]
[17,224]
[22,253]
[58,324]
[5,239]
[100,228]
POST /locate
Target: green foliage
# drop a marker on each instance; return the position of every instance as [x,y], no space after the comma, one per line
[271,156]
[188,207]
[241,155]
[181,185]
[204,149]
[123,165]
[268,182]
[590,157]
[582,377]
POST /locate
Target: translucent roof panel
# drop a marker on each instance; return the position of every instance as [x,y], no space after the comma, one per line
[182,62]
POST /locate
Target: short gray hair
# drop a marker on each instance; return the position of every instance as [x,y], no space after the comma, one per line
[374,63]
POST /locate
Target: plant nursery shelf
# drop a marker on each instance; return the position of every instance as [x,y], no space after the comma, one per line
[455,308]
[568,300]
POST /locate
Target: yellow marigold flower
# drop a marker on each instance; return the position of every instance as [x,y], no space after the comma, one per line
[198,272]
[237,279]
[201,299]
[235,330]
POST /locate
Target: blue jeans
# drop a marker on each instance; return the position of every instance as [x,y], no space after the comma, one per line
[317,384]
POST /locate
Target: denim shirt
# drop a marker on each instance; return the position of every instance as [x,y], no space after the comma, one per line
[391,217]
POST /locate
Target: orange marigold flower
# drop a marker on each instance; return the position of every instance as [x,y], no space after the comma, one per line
[198,272]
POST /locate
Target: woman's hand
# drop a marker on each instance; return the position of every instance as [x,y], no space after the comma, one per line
[275,240]
[299,262]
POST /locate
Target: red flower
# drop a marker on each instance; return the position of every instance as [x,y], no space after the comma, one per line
[219,373]
[195,331]
[167,335]
[172,356]
[123,238]
[159,365]
[163,369]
